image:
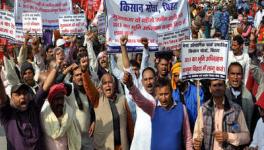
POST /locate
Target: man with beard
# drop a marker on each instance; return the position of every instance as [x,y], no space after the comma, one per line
[20,115]
[114,126]
[185,92]
[59,121]
[238,93]
[80,103]
[258,137]
[220,123]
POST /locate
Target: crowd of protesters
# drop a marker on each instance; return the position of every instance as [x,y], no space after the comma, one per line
[71,94]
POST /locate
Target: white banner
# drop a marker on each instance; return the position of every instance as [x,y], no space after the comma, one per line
[72,24]
[172,40]
[49,9]
[32,22]
[137,19]
[7,25]
[204,59]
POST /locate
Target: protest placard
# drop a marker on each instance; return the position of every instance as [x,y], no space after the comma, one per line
[172,40]
[19,35]
[101,24]
[32,22]
[204,59]
[7,23]
[72,24]
[50,10]
[137,19]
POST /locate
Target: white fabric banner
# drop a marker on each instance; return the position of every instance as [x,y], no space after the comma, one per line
[137,19]
[72,24]
[204,59]
[32,22]
[8,27]
[49,9]
[172,40]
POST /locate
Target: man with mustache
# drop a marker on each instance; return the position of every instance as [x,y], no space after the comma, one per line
[114,126]
[238,93]
[145,80]
[20,115]
[220,123]
[58,119]
[169,119]
[162,67]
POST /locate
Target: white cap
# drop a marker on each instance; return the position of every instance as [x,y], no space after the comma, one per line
[60,42]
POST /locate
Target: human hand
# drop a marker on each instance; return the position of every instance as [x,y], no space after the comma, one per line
[144,41]
[197,143]
[84,63]
[221,136]
[91,129]
[123,40]
[127,80]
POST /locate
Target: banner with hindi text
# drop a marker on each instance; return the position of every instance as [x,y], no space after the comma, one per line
[32,22]
[204,59]
[7,23]
[137,19]
[50,10]
[72,24]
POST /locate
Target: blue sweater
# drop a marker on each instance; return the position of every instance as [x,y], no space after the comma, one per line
[167,128]
[190,98]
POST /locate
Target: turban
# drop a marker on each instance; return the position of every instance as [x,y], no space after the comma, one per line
[176,69]
[55,90]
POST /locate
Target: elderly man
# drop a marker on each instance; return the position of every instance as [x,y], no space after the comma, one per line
[20,115]
[220,123]
[59,122]
[113,116]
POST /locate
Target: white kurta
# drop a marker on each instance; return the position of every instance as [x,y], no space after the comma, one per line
[142,131]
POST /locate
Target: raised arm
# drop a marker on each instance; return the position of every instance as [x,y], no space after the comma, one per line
[145,104]
[145,57]
[125,59]
[90,89]
[22,56]
[91,54]
[3,97]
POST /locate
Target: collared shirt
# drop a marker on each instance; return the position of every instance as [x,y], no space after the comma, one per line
[174,104]
[235,139]
[149,107]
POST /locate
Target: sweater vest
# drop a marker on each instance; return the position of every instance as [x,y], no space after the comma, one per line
[104,130]
[167,128]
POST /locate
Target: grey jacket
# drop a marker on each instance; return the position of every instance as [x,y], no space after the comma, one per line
[247,103]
